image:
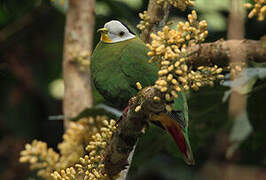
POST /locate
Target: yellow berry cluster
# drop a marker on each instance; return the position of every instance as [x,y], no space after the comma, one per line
[169,48]
[72,146]
[91,166]
[40,157]
[145,21]
[180,4]
[76,138]
[259,9]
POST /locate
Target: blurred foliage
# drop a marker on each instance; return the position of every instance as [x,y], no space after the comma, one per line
[31,44]
[213,13]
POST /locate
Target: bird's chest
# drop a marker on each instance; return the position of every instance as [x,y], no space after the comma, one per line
[112,83]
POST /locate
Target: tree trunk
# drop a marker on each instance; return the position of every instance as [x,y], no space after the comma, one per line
[78,40]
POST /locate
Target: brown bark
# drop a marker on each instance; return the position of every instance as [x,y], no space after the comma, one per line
[236,20]
[220,52]
[78,37]
[158,15]
[237,101]
[129,130]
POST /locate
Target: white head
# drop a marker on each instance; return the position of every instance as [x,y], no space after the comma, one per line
[114,31]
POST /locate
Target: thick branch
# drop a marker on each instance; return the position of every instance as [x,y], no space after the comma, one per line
[78,37]
[129,130]
[158,15]
[219,52]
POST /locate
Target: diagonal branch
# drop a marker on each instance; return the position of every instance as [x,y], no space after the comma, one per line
[130,129]
[131,126]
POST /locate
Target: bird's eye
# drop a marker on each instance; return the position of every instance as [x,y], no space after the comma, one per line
[121,33]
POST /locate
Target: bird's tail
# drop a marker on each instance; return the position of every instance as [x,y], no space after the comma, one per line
[182,142]
[180,137]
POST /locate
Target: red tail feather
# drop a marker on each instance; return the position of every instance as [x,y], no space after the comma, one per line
[176,132]
[179,138]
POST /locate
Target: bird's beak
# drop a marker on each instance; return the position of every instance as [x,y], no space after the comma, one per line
[104,35]
[103,30]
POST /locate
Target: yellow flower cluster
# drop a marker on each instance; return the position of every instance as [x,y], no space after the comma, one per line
[180,4]
[40,157]
[72,147]
[169,49]
[145,21]
[91,166]
[78,135]
[259,9]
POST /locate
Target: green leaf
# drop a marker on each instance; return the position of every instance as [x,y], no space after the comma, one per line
[93,112]
[212,5]
[216,21]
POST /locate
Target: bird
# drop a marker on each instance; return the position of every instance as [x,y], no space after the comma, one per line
[118,62]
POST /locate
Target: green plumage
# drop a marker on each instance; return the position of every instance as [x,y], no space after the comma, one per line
[117,67]
[115,70]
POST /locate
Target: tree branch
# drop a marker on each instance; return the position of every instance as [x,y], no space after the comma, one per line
[131,126]
[79,37]
[219,52]
[158,17]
